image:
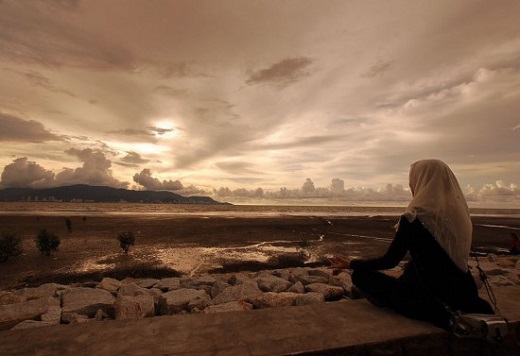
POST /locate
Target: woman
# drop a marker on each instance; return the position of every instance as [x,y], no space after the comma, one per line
[436,229]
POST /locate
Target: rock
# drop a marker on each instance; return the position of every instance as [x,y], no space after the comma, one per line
[282,273]
[30,324]
[156,294]
[198,283]
[99,316]
[492,258]
[74,318]
[44,291]
[295,273]
[135,307]
[297,288]
[147,282]
[10,298]
[53,315]
[87,301]
[248,290]
[309,298]
[344,280]
[169,284]
[321,272]
[395,272]
[505,263]
[110,284]
[499,281]
[269,283]
[513,277]
[329,292]
[132,290]
[227,307]
[218,287]
[238,278]
[491,269]
[275,300]
[517,264]
[183,299]
[306,279]
[12,314]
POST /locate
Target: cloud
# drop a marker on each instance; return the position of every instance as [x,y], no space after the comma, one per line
[133,159]
[237,167]
[161,130]
[335,191]
[145,179]
[18,130]
[378,69]
[171,92]
[137,135]
[24,173]
[285,72]
[44,82]
[95,170]
[497,192]
[36,33]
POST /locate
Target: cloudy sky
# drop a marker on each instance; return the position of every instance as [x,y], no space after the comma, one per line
[193,96]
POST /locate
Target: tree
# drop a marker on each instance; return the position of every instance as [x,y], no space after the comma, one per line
[47,242]
[126,239]
[10,246]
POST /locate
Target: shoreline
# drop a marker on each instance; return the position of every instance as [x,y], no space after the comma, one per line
[190,245]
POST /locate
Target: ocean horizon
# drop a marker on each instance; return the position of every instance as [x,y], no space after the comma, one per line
[232,210]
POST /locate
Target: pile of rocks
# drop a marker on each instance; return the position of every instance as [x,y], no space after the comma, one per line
[53,303]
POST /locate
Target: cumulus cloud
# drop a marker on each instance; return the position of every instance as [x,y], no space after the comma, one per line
[146,180]
[15,129]
[285,72]
[95,170]
[335,191]
[23,173]
[497,192]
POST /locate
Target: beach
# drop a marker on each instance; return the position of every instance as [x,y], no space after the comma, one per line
[198,241]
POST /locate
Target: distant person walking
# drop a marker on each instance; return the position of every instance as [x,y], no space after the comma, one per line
[515,245]
[436,229]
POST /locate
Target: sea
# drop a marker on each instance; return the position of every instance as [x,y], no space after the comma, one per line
[224,210]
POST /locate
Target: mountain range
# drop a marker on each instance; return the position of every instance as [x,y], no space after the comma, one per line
[89,193]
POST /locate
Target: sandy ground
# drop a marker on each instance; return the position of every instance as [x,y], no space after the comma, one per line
[174,246]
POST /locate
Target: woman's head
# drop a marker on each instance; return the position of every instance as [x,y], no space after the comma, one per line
[431,174]
[438,202]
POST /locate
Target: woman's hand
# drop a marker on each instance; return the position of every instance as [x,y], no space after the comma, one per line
[339,263]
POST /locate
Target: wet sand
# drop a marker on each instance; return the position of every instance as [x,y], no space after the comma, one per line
[181,245]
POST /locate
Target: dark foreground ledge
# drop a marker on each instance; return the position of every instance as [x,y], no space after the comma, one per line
[350,327]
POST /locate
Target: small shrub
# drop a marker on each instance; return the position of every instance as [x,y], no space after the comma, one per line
[10,246]
[47,242]
[126,239]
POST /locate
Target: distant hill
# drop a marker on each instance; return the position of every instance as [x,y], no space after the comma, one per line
[89,193]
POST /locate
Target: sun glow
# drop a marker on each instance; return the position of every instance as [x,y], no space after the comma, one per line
[165,129]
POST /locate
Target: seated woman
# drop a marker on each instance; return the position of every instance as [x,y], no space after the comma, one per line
[436,230]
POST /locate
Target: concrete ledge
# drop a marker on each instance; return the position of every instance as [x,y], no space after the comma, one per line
[350,327]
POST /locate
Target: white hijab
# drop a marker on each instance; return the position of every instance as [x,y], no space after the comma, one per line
[440,205]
